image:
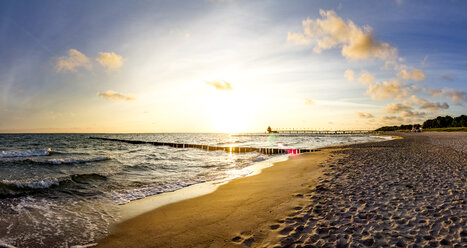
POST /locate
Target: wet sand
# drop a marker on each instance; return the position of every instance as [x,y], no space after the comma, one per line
[408,192]
[240,213]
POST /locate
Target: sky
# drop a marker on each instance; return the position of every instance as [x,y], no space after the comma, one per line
[229,66]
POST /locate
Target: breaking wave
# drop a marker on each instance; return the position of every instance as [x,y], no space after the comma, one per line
[29,153]
[12,188]
[58,161]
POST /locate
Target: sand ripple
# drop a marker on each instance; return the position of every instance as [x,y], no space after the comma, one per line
[400,193]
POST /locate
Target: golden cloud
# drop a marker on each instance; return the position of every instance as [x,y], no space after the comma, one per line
[398,107]
[412,114]
[74,60]
[111,61]
[429,105]
[220,85]
[332,31]
[391,119]
[415,74]
[386,90]
[115,96]
[366,78]
[349,75]
[365,115]
[298,38]
[456,96]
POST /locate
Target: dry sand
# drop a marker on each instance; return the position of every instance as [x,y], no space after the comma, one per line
[409,192]
[240,213]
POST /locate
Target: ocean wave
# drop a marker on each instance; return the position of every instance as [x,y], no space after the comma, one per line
[28,153]
[229,143]
[58,161]
[11,188]
[259,159]
[125,196]
[17,188]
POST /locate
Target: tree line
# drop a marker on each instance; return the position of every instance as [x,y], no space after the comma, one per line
[438,122]
[446,121]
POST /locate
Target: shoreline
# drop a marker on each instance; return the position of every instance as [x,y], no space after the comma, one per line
[145,205]
[223,215]
[137,207]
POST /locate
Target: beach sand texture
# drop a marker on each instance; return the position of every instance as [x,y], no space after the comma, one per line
[408,192]
[238,213]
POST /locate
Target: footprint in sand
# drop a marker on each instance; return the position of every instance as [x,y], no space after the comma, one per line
[274,227]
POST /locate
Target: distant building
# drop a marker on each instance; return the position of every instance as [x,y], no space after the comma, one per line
[270,130]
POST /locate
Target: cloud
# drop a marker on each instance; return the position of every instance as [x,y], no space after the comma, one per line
[456,96]
[404,71]
[115,96]
[74,60]
[412,114]
[415,88]
[298,38]
[435,93]
[429,105]
[386,90]
[392,64]
[365,115]
[447,77]
[415,74]
[391,119]
[366,78]
[397,107]
[405,110]
[220,85]
[111,61]
[349,75]
[309,101]
[331,31]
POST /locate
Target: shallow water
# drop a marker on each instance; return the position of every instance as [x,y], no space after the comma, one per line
[58,190]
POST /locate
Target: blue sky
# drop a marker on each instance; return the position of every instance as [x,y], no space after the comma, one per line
[229,66]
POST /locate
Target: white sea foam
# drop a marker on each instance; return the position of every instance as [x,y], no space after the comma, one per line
[29,153]
[126,196]
[58,161]
[40,184]
[258,159]
[5,245]
[134,172]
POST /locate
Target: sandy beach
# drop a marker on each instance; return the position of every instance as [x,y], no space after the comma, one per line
[408,192]
[241,212]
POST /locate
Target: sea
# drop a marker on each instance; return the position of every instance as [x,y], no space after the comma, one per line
[66,190]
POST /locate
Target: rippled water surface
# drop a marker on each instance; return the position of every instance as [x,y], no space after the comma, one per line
[59,190]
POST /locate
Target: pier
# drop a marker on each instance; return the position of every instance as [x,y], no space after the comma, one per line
[231,149]
[311,131]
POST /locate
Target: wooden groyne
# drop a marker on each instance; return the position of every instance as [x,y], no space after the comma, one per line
[232,149]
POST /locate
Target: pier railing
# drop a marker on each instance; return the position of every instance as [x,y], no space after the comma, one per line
[232,149]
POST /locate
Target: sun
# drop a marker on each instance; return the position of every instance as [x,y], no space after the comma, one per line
[230,112]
